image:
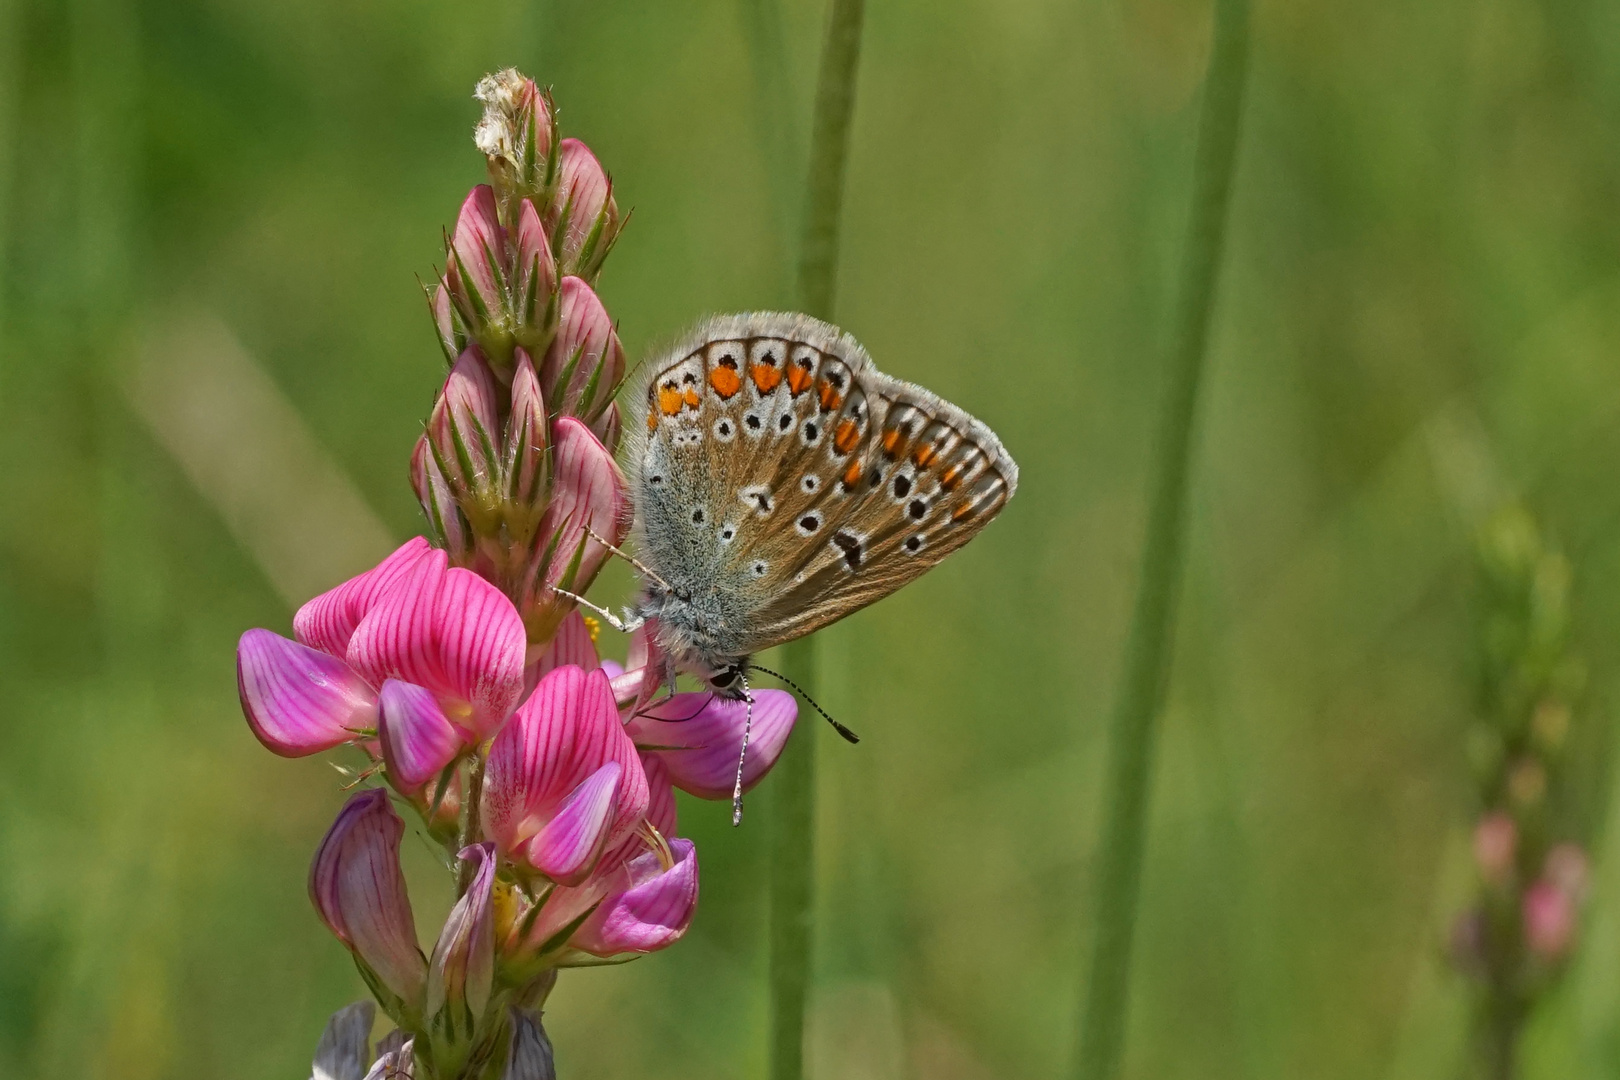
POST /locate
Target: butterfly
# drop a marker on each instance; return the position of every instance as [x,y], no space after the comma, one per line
[780,482]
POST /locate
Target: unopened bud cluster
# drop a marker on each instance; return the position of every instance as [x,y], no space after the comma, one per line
[458,669]
[1517,937]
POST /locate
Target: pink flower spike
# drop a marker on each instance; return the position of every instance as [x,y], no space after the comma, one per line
[449,630]
[462,970]
[476,267]
[297,700]
[359,892]
[698,737]
[585,363]
[652,913]
[418,740]
[567,847]
[567,730]
[328,621]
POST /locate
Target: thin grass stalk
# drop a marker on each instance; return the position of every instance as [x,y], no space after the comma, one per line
[1147,652]
[794,785]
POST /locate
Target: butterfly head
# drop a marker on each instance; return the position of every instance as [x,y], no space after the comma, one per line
[691,633]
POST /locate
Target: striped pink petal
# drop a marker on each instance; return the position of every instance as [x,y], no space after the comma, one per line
[567,730]
[359,892]
[567,847]
[571,644]
[651,913]
[699,736]
[526,464]
[536,269]
[328,621]
[462,970]
[449,630]
[418,740]
[297,700]
[463,429]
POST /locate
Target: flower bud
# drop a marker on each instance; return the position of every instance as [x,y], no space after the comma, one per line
[583,219]
[534,292]
[445,519]
[462,971]
[517,135]
[477,275]
[651,909]
[1496,840]
[583,368]
[525,455]
[1567,868]
[464,437]
[359,892]
[1549,920]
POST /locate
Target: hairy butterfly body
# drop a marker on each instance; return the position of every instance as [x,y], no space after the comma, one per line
[781,482]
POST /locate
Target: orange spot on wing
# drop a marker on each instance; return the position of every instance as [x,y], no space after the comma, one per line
[830,397]
[852,474]
[652,420]
[924,456]
[952,477]
[692,399]
[669,400]
[965,511]
[891,439]
[725,380]
[799,379]
[846,437]
[765,377]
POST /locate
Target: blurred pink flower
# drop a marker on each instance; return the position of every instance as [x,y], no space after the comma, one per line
[1549,920]
[1496,841]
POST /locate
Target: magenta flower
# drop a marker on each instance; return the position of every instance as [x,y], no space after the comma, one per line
[359,892]
[564,783]
[461,973]
[499,285]
[698,738]
[427,656]
[1549,920]
[1496,842]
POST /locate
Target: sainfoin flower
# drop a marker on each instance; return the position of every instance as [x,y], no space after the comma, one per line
[461,670]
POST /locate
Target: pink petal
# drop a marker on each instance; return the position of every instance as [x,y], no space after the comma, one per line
[462,970]
[698,737]
[568,845]
[449,630]
[299,701]
[567,730]
[582,206]
[586,350]
[328,621]
[359,892]
[571,644]
[653,912]
[444,321]
[444,516]
[418,740]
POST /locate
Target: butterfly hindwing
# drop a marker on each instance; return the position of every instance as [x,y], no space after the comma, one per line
[781,468]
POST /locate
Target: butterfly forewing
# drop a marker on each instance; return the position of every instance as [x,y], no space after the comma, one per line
[782,469]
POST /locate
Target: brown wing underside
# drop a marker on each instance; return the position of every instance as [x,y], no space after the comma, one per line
[842,483]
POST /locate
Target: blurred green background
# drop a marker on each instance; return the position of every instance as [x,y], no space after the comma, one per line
[1420,317]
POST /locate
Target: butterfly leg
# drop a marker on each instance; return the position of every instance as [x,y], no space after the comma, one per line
[742,756]
[627,625]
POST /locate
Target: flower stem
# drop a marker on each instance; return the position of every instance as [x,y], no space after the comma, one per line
[793,839]
[471,827]
[1141,695]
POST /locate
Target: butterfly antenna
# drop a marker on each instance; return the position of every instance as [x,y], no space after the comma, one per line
[849,736]
[742,756]
[631,559]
